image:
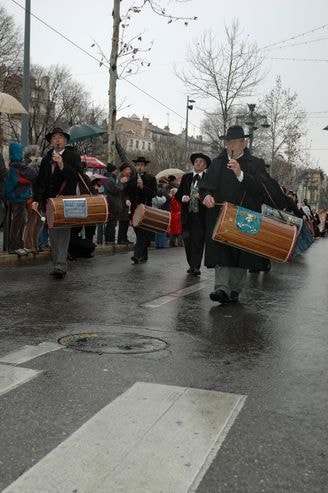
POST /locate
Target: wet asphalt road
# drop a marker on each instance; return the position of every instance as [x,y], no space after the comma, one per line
[272,348]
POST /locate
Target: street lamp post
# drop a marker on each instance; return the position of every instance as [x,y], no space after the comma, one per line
[252,121]
[189,107]
[26,74]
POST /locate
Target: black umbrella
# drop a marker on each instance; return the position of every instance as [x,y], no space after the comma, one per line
[85,131]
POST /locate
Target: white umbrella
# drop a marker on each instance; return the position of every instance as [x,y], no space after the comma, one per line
[10,105]
[170,171]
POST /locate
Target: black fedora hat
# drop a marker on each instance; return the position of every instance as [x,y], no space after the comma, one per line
[57,130]
[234,132]
[140,159]
[206,158]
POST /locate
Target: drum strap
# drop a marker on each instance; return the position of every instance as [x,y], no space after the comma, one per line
[270,197]
[82,180]
[63,185]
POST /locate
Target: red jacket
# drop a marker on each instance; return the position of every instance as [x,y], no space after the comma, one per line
[175,225]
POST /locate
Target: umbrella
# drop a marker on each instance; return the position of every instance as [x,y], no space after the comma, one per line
[85,131]
[170,171]
[92,162]
[10,105]
[97,176]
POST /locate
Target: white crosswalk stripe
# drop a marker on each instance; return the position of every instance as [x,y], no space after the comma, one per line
[12,376]
[152,438]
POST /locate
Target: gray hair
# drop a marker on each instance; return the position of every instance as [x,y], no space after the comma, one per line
[30,151]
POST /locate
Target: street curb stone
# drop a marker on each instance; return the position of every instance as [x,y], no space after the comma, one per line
[10,260]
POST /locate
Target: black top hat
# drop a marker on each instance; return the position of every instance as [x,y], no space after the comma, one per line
[140,159]
[111,167]
[203,156]
[57,130]
[234,132]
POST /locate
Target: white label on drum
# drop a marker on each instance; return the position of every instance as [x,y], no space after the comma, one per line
[75,208]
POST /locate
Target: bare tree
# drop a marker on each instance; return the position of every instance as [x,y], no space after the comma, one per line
[166,156]
[226,72]
[128,50]
[57,99]
[287,128]
[11,48]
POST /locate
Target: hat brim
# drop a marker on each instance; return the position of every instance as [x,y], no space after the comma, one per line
[206,158]
[225,137]
[50,134]
[141,159]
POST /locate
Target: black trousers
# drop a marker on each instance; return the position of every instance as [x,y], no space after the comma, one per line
[143,239]
[194,239]
[110,227]
[123,227]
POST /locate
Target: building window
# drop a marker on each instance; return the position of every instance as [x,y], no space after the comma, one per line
[131,143]
[149,146]
[143,145]
[137,144]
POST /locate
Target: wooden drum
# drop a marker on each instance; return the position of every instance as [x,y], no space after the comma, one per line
[282,216]
[151,219]
[251,231]
[76,210]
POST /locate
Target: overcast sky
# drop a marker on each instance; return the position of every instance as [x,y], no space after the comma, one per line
[262,21]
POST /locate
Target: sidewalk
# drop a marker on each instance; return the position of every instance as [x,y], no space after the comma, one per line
[12,260]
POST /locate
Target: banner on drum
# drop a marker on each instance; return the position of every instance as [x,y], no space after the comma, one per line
[75,208]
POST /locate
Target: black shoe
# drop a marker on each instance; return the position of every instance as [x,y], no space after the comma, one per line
[220,296]
[196,272]
[190,270]
[135,260]
[58,274]
[234,296]
[142,260]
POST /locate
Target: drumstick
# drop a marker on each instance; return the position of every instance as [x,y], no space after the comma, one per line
[42,217]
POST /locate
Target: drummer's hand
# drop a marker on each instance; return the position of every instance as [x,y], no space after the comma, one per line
[35,206]
[139,183]
[209,201]
[128,203]
[185,198]
[124,179]
[234,166]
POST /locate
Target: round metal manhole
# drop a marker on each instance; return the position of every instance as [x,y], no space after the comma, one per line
[101,342]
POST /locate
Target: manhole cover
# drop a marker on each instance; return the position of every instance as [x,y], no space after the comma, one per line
[101,342]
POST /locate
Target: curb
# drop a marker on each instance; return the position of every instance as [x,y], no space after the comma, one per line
[10,260]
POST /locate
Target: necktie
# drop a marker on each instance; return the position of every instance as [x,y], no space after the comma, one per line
[195,178]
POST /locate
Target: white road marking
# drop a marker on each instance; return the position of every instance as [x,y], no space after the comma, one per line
[153,438]
[12,376]
[162,300]
[26,353]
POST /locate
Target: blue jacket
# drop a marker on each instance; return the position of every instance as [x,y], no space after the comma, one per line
[18,182]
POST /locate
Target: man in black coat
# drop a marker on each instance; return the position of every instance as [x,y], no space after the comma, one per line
[141,190]
[57,176]
[234,176]
[193,212]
